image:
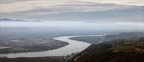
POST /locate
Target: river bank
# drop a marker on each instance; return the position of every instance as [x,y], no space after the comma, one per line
[73,47]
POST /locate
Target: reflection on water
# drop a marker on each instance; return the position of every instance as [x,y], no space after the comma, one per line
[73,47]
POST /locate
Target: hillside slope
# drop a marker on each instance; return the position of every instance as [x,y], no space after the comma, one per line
[131,50]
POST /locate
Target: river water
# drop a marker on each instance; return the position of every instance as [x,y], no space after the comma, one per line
[74,46]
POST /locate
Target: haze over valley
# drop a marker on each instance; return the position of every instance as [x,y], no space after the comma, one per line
[71,31]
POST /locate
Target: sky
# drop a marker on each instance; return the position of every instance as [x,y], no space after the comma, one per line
[124,12]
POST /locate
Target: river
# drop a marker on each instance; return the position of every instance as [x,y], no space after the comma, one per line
[74,46]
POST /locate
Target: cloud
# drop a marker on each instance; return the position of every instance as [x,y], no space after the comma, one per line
[25,6]
[10,6]
[12,1]
[74,10]
[118,13]
[84,13]
[121,2]
[37,8]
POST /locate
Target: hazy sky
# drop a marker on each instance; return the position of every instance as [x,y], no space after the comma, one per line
[125,12]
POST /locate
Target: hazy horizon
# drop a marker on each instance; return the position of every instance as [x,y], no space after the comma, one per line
[66,13]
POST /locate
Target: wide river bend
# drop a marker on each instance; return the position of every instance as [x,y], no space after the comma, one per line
[74,46]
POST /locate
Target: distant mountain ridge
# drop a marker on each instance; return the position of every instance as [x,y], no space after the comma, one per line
[8,19]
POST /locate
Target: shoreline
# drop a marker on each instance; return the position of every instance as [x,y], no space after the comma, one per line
[74,46]
[6,50]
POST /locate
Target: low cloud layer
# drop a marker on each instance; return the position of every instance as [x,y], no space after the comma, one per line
[10,6]
[74,10]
